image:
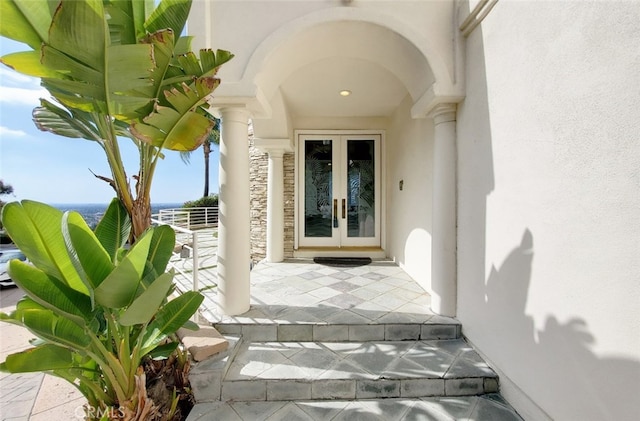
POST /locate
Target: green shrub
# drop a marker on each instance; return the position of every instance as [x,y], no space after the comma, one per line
[203,202]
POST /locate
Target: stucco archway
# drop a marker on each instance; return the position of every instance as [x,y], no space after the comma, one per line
[382,57]
[289,72]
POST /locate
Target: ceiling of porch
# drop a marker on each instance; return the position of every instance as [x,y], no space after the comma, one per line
[378,66]
[314,90]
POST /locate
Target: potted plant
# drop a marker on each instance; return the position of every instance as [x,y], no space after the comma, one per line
[99,308]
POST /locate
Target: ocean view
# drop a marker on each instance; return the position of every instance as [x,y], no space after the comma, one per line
[92,212]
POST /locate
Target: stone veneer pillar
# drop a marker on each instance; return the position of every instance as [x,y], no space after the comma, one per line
[233,225]
[275,196]
[443,248]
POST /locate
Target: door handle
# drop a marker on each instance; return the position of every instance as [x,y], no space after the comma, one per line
[335,213]
[344,208]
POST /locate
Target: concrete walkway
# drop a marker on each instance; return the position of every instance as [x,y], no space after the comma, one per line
[31,396]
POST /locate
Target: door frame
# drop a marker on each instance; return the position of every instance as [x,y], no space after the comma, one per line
[298,202]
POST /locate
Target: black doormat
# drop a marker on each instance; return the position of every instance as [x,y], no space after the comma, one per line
[342,261]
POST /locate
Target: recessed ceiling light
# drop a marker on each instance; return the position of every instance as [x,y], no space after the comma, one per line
[345,92]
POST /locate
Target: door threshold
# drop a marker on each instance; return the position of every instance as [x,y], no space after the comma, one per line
[310,252]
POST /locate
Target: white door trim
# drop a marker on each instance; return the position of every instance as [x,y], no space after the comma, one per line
[380,188]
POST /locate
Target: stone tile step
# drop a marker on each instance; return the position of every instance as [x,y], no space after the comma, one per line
[286,389]
[435,328]
[355,370]
[487,407]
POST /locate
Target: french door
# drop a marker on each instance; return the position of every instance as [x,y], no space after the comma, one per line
[339,190]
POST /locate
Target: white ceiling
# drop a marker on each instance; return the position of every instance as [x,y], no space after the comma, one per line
[314,90]
[379,66]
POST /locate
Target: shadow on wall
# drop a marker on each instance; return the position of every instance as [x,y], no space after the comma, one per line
[554,365]
[560,353]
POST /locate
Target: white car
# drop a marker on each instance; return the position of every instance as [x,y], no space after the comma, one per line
[6,255]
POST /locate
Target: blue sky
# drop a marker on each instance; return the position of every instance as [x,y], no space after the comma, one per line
[52,169]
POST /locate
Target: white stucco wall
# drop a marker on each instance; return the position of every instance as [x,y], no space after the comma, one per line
[409,157]
[549,205]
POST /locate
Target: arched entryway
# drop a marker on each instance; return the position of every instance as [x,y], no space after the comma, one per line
[291,81]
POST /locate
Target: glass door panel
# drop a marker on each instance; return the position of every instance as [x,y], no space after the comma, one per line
[318,188]
[360,192]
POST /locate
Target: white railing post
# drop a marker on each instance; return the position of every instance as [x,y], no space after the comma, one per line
[195,260]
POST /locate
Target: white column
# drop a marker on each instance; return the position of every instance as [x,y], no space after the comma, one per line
[275,207]
[233,224]
[443,248]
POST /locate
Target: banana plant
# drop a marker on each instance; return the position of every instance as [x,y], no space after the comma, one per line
[117,70]
[97,307]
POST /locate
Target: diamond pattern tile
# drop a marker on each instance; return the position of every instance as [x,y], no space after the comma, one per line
[305,290]
[362,360]
[344,286]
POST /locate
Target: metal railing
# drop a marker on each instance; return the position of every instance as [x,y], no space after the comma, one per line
[191,252]
[190,218]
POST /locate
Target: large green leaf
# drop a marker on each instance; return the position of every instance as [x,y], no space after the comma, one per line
[210,60]
[29,63]
[126,19]
[75,70]
[184,59]
[50,292]
[26,21]
[129,67]
[163,351]
[183,45]
[169,14]
[178,127]
[161,248]
[47,357]
[51,118]
[115,88]
[208,65]
[55,329]
[170,318]
[100,77]
[163,52]
[160,251]
[119,288]
[190,64]
[36,229]
[142,310]
[113,229]
[78,29]
[93,259]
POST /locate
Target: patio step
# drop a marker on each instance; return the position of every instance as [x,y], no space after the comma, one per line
[485,407]
[322,343]
[275,371]
[396,327]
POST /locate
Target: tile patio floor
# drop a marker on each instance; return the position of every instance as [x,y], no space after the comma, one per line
[471,408]
[300,291]
[316,331]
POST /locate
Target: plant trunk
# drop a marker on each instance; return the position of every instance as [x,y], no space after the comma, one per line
[206,147]
[140,216]
[140,407]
